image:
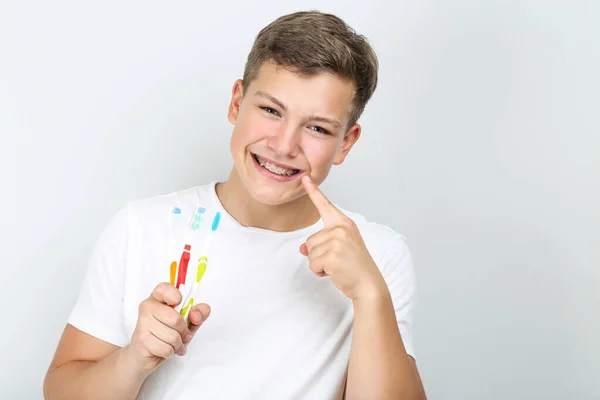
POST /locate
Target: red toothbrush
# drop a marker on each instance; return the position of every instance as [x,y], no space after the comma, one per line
[183,265]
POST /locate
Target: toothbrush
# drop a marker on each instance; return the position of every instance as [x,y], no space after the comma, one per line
[180,281]
[189,301]
[213,229]
[183,265]
[174,219]
[201,269]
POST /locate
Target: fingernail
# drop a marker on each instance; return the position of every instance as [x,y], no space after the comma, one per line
[187,338]
[183,350]
[199,315]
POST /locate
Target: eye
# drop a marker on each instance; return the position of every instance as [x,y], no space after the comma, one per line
[269,110]
[318,129]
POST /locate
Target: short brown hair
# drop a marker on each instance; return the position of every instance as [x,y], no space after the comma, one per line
[311,42]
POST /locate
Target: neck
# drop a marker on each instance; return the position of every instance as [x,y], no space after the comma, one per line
[287,217]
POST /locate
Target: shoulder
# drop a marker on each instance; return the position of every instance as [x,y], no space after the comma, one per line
[383,242]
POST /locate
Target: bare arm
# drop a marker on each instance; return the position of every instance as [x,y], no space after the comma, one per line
[85,367]
[379,366]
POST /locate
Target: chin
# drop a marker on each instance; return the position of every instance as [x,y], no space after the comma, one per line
[270,195]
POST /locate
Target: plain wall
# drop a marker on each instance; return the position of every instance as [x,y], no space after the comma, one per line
[481,145]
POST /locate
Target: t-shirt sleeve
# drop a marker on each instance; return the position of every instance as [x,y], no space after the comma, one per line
[398,272]
[99,307]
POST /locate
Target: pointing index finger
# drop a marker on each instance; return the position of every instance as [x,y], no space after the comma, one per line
[327,210]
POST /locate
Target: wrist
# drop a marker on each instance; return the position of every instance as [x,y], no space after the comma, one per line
[127,365]
[372,296]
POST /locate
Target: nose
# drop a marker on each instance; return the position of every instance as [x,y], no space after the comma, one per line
[285,141]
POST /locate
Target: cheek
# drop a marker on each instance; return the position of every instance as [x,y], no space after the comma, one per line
[250,129]
[319,153]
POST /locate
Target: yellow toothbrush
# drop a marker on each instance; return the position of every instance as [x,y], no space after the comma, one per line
[201,269]
[189,301]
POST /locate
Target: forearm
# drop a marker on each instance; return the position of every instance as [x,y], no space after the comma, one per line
[379,366]
[112,378]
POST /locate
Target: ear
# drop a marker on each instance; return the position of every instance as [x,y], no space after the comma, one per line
[349,139]
[237,93]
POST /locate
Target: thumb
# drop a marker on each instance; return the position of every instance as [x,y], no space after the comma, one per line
[198,314]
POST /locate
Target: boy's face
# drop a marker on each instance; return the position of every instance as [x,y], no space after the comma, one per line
[288,125]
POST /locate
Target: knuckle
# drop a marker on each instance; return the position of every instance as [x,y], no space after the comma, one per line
[348,222]
[173,295]
[165,351]
[173,338]
[173,318]
[339,230]
[159,289]
[144,307]
[165,288]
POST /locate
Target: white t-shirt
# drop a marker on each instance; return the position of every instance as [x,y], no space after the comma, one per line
[276,330]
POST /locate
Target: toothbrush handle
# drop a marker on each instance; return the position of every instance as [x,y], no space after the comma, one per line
[189,299]
[183,265]
[185,312]
[182,290]
[173,272]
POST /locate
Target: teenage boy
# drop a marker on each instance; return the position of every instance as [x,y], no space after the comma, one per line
[307,301]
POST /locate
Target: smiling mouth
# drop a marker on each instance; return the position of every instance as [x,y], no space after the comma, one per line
[276,169]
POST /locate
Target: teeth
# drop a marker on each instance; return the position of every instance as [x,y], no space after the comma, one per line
[275,169]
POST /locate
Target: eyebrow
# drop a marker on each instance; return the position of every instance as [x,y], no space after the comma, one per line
[316,118]
[333,122]
[273,99]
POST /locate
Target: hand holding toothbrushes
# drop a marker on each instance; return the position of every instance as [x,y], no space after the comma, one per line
[169,317]
[161,331]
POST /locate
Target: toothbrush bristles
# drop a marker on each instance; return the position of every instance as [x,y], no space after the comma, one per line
[216,221]
[197,218]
